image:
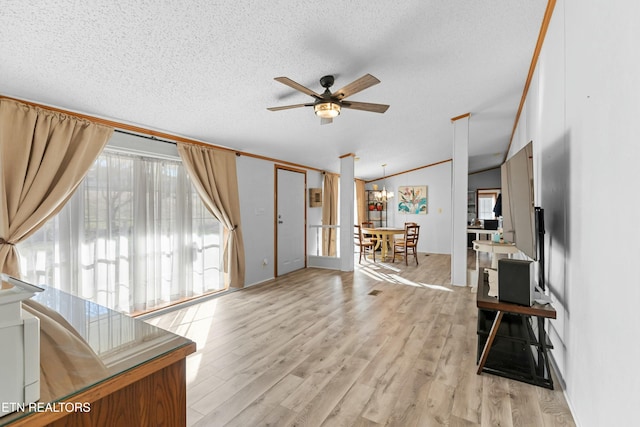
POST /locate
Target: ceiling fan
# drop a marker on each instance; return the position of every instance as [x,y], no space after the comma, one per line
[328,105]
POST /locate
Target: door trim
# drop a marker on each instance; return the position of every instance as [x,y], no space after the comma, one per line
[275,213]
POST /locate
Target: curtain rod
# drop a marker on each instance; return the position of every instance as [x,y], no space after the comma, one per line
[118,126]
[151,137]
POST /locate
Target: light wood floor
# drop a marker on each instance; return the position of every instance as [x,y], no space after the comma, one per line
[384,345]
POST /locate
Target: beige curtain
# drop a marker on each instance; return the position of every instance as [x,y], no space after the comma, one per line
[213,173]
[361,201]
[43,157]
[330,214]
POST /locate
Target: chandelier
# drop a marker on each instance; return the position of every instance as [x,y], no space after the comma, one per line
[383,195]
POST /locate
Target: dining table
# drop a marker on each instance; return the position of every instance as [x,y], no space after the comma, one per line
[384,237]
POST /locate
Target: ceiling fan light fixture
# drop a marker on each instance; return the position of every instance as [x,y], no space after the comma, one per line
[327,110]
[328,105]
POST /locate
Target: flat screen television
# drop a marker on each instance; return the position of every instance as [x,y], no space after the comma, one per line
[518,209]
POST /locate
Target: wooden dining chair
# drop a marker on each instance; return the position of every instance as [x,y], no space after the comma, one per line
[400,240]
[407,245]
[369,224]
[363,243]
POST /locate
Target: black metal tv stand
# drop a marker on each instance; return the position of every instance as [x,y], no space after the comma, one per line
[512,338]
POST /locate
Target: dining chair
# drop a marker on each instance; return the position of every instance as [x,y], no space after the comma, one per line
[363,243]
[369,224]
[407,245]
[401,239]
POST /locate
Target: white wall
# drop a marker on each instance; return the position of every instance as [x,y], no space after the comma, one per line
[256,188]
[486,179]
[580,113]
[256,184]
[435,226]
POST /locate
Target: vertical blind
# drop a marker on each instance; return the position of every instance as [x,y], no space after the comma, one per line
[135,236]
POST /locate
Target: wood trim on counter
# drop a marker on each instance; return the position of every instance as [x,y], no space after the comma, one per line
[119,396]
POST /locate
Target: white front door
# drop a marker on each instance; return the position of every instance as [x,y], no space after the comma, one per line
[290,220]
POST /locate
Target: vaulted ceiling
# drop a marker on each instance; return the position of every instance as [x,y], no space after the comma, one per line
[205,70]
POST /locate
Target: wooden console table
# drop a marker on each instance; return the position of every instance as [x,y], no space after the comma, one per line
[141,368]
[512,339]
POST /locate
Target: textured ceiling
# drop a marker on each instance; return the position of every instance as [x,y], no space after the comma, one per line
[205,69]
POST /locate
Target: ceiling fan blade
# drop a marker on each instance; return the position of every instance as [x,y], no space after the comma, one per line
[326,121]
[356,86]
[365,106]
[287,107]
[297,86]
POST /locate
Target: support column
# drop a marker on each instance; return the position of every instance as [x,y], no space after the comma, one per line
[347,197]
[459,187]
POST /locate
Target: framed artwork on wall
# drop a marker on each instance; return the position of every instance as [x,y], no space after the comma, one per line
[412,199]
[315,197]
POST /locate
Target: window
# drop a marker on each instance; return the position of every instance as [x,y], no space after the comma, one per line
[486,202]
[135,236]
